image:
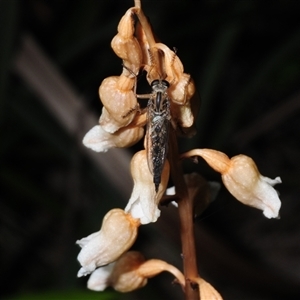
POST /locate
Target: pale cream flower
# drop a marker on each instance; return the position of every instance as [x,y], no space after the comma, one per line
[144,199]
[117,234]
[99,140]
[243,180]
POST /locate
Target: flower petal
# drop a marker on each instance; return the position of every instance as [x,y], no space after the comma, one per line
[117,234]
[99,140]
[144,200]
[98,280]
[245,183]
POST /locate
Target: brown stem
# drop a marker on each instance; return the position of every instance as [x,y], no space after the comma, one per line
[137,4]
[145,24]
[185,209]
[149,35]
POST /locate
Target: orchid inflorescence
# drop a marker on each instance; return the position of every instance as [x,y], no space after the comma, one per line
[105,254]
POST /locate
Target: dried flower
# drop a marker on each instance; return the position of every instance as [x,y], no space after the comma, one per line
[243,180]
[125,45]
[173,66]
[184,116]
[144,199]
[130,272]
[117,234]
[99,140]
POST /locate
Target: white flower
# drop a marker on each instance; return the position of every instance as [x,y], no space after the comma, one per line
[243,180]
[99,140]
[117,234]
[246,184]
[144,200]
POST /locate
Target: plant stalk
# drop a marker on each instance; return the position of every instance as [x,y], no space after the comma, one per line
[185,210]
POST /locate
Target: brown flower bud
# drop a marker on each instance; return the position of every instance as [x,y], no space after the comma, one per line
[119,102]
[183,90]
[117,234]
[125,45]
[144,199]
[126,25]
[130,51]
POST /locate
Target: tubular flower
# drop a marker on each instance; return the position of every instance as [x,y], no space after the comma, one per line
[144,199]
[117,234]
[243,180]
[99,140]
[130,272]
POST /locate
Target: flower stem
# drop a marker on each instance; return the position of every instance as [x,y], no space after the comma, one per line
[149,36]
[144,23]
[185,209]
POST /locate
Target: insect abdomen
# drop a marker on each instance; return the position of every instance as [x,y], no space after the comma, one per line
[158,131]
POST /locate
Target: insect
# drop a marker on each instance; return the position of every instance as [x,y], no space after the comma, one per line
[157,135]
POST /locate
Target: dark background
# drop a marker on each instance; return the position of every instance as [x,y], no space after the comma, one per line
[244,58]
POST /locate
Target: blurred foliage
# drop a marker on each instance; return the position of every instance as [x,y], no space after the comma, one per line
[71,295]
[244,57]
